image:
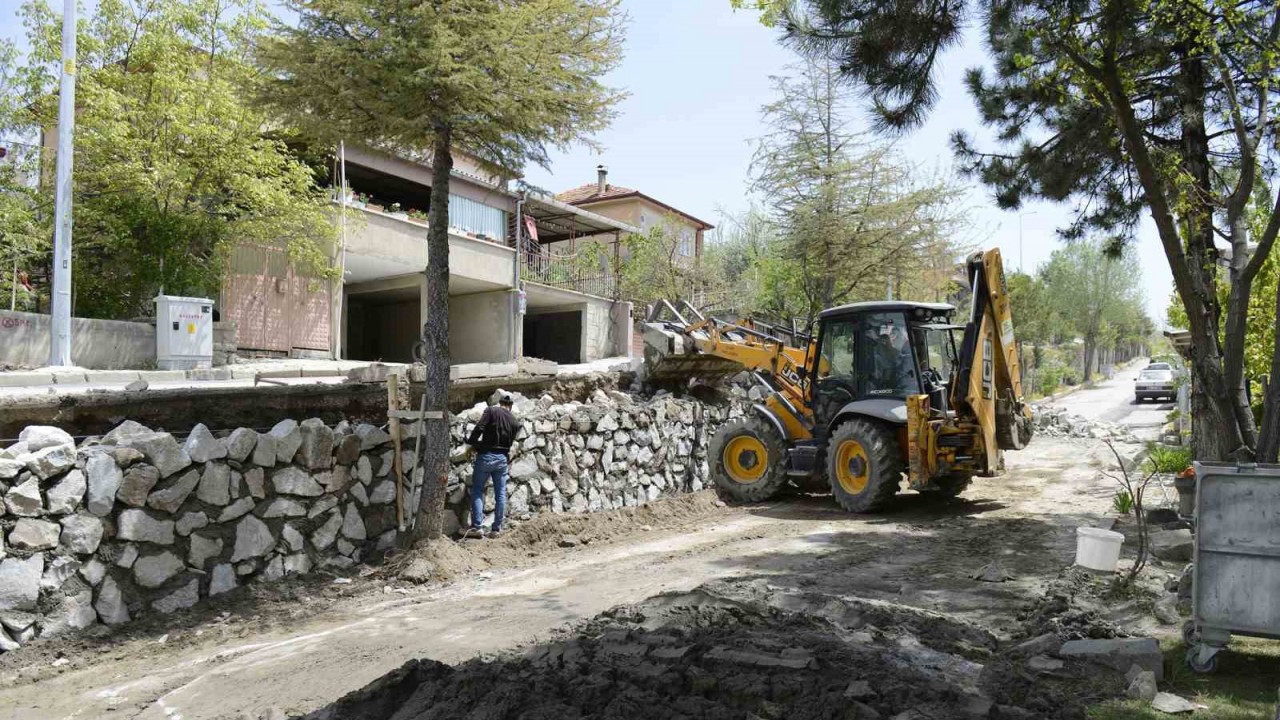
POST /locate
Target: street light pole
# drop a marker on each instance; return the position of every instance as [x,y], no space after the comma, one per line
[60,341]
[1021,267]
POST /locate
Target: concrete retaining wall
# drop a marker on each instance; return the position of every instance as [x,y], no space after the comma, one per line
[95,344]
[141,522]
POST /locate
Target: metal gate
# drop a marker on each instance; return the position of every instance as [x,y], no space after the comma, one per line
[276,308]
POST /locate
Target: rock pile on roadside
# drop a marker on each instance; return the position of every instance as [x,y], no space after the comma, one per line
[1058,422]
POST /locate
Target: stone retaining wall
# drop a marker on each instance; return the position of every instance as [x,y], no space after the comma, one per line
[139,521]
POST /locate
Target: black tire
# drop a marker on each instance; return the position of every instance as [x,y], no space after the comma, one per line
[1207,667]
[729,474]
[951,484]
[863,465]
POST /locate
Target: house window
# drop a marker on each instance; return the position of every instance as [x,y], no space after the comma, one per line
[476,218]
[686,243]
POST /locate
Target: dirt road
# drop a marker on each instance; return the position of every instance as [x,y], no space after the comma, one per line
[321,641]
[1112,401]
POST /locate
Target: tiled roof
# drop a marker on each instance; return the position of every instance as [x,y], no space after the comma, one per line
[590,191]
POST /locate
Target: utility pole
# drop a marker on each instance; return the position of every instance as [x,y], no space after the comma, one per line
[60,341]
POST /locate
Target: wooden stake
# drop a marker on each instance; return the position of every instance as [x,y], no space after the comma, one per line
[393,425]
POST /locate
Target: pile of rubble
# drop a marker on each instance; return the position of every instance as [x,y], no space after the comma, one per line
[737,648]
[615,450]
[1057,422]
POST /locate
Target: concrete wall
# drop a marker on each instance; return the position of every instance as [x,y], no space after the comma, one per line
[401,247]
[480,327]
[95,344]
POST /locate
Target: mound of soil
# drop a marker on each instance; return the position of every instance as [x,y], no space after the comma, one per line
[734,649]
[446,559]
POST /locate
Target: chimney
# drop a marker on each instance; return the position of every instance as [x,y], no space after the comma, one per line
[602,179]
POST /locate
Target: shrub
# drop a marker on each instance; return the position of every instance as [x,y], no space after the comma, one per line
[1166,459]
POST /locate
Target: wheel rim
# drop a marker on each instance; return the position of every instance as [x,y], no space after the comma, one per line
[852,467]
[745,459]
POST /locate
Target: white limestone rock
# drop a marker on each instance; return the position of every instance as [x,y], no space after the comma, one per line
[67,494]
[201,446]
[151,571]
[104,482]
[138,526]
[253,539]
[33,534]
[81,534]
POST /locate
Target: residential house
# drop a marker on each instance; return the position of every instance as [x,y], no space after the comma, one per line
[643,211]
[504,302]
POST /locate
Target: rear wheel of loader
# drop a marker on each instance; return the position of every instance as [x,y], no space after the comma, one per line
[749,460]
[863,465]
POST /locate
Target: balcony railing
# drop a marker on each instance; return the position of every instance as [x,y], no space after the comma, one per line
[567,272]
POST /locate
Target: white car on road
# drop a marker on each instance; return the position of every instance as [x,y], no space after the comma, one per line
[1155,381]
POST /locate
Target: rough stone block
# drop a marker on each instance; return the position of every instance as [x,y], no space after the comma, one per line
[183,597]
[137,484]
[151,571]
[24,499]
[201,446]
[288,439]
[240,444]
[161,450]
[202,549]
[67,494]
[20,582]
[104,482]
[316,449]
[1118,653]
[51,461]
[1173,545]
[253,539]
[39,437]
[264,451]
[32,534]
[171,497]
[294,481]
[137,525]
[81,534]
[110,603]
[236,509]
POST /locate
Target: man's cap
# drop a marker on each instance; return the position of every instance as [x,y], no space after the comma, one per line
[505,399]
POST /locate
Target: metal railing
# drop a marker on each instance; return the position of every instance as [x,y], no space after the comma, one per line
[567,272]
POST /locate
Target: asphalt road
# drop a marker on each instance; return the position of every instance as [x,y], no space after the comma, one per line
[1112,401]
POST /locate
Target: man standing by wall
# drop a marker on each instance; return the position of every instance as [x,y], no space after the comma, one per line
[491,438]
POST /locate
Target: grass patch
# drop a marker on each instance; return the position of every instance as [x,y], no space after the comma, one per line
[1243,688]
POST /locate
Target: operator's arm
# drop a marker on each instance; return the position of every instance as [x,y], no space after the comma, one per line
[478,432]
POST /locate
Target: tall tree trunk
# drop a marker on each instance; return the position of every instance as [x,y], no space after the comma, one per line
[1269,433]
[435,333]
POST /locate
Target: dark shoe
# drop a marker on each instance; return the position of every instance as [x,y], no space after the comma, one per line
[495,534]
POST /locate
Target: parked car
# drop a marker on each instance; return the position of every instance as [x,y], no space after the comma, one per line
[1155,381]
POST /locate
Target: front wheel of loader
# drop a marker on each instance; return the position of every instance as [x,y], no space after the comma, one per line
[748,460]
[863,465]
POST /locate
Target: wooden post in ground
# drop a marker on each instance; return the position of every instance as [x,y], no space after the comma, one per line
[393,425]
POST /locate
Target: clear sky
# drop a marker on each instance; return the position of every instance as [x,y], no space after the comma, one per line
[698,73]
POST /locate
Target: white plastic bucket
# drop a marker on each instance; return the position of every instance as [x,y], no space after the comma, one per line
[1098,549]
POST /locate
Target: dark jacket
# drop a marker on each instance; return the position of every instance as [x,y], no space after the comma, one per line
[495,432]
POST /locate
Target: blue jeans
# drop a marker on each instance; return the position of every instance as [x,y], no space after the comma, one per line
[489,465]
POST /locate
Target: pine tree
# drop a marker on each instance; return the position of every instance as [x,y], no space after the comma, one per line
[503,80]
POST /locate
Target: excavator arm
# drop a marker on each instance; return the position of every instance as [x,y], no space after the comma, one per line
[989,376]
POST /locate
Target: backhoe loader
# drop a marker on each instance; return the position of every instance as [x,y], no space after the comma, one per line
[882,389]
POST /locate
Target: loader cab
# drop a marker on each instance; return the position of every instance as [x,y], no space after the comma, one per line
[871,356]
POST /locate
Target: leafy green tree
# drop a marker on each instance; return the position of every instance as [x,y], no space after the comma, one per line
[503,80]
[1095,293]
[1122,108]
[173,169]
[856,219]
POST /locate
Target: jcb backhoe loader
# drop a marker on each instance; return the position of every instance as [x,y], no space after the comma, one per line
[883,388]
